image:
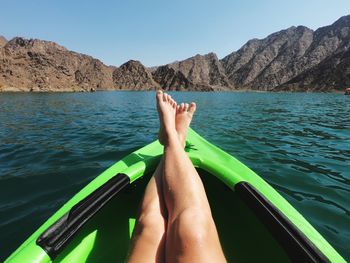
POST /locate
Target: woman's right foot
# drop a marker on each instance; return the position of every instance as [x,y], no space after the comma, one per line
[183,118]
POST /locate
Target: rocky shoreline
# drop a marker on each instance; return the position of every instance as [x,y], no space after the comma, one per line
[294,59]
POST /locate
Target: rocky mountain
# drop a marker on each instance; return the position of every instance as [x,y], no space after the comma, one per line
[294,59]
[133,75]
[203,72]
[263,64]
[332,72]
[195,73]
[35,65]
[327,62]
[171,79]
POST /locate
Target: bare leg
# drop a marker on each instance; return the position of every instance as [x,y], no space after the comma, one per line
[148,240]
[191,232]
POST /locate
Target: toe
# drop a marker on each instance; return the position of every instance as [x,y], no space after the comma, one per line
[159,95]
[182,107]
[164,97]
[186,106]
[192,107]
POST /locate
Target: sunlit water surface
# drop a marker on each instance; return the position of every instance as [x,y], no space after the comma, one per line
[51,145]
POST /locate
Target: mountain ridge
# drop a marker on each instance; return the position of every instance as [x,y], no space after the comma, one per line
[293,59]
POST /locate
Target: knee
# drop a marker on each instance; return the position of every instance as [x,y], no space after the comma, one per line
[194,225]
[151,223]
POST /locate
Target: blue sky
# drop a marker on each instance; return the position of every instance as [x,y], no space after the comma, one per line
[157,32]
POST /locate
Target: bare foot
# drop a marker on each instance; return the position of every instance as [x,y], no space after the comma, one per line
[166,107]
[183,118]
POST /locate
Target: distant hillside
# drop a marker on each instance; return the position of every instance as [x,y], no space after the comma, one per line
[269,62]
[35,65]
[133,75]
[294,59]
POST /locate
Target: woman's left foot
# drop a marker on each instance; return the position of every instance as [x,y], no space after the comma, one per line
[166,107]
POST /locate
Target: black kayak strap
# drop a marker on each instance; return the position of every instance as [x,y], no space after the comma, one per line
[298,247]
[58,235]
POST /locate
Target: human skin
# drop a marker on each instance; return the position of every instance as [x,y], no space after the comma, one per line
[175,223]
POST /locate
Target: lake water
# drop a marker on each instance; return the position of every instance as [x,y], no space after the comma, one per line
[51,145]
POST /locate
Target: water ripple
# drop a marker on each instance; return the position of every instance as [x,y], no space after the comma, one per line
[51,145]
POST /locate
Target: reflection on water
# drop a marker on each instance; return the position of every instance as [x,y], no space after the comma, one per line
[51,145]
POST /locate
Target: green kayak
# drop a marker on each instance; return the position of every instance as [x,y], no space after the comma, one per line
[255,223]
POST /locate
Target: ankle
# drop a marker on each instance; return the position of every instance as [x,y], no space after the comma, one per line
[182,140]
[170,133]
[172,140]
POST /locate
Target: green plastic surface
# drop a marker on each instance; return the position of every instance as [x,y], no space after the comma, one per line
[97,235]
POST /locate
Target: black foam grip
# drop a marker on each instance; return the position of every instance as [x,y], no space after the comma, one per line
[58,235]
[298,247]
